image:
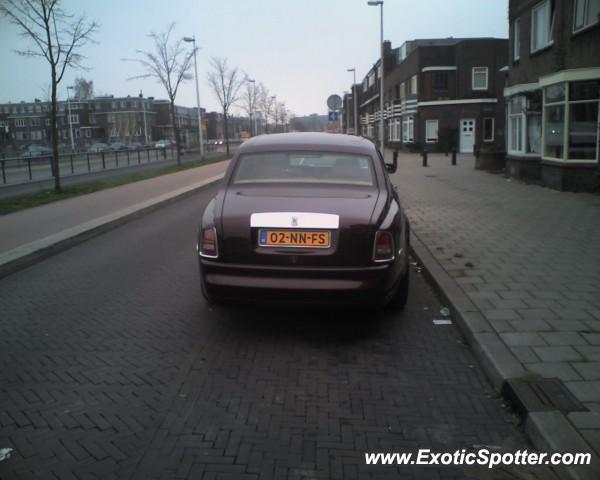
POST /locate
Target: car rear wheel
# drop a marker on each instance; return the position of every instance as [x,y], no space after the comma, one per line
[401,296]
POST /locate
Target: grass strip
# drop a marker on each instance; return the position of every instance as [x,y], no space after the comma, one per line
[10,205]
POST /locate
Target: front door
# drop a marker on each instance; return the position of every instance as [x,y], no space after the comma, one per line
[467,135]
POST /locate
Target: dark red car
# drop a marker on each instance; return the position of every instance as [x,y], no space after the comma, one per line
[305,217]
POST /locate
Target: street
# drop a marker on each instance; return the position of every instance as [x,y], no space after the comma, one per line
[113,366]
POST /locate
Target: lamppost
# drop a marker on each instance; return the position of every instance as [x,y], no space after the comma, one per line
[354,95]
[347,95]
[252,113]
[379,3]
[70,119]
[193,40]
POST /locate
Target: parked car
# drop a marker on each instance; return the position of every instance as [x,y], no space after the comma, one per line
[115,146]
[163,144]
[136,146]
[305,217]
[99,147]
[36,151]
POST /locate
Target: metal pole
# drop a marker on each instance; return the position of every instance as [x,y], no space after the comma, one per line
[381,93]
[145,125]
[70,124]
[198,101]
[355,100]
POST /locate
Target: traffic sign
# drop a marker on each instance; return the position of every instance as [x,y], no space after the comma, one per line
[333,116]
[334,102]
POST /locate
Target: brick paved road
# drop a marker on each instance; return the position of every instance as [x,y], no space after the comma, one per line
[529,259]
[112,366]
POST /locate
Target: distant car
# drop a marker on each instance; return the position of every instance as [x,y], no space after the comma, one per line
[118,146]
[99,147]
[306,218]
[37,151]
[136,146]
[163,144]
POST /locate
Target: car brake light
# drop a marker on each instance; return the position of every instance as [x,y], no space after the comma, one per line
[383,250]
[208,243]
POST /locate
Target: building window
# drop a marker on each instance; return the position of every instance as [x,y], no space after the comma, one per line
[488,129]
[74,118]
[440,81]
[20,135]
[402,90]
[20,122]
[480,78]
[88,132]
[92,117]
[48,122]
[413,85]
[542,25]
[587,12]
[517,39]
[583,120]
[36,135]
[35,122]
[408,129]
[431,131]
[515,124]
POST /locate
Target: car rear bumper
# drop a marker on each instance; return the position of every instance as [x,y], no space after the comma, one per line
[275,284]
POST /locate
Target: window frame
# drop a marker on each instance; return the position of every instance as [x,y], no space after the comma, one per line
[488,139]
[586,7]
[437,134]
[479,73]
[517,39]
[550,33]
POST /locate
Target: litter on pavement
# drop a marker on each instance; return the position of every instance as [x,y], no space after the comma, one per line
[445,312]
[5,453]
[442,321]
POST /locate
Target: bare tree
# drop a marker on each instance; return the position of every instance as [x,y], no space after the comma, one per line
[249,100]
[57,37]
[169,64]
[226,84]
[84,89]
[266,102]
[283,114]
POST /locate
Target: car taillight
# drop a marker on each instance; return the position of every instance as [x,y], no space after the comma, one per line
[383,250]
[208,243]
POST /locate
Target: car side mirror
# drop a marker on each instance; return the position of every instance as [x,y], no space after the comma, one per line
[392,167]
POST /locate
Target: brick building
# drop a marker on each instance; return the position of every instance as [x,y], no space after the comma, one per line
[100,119]
[439,94]
[553,92]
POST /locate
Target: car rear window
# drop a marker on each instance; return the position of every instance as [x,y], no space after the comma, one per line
[339,168]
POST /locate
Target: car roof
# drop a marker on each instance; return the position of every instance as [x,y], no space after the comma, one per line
[309,141]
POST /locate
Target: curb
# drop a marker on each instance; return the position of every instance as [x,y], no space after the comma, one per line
[548,431]
[31,253]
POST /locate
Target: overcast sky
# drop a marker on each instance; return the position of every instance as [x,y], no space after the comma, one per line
[300,49]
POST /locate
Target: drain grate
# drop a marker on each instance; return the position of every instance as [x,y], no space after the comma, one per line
[541,395]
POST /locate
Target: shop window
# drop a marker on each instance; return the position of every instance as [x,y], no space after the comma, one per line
[554,131]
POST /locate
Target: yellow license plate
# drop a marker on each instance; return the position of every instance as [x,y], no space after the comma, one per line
[294,238]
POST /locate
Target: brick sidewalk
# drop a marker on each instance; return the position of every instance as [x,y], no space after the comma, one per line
[527,257]
[33,224]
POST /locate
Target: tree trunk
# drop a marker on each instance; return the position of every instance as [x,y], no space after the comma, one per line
[175,132]
[226,130]
[55,158]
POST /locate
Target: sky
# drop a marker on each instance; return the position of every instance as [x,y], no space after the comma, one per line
[299,49]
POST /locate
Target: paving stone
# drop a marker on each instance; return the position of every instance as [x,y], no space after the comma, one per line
[585,391]
[589,352]
[588,370]
[585,419]
[523,325]
[561,370]
[563,338]
[557,354]
[525,354]
[520,339]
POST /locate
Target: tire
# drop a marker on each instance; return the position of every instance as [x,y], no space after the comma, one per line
[398,301]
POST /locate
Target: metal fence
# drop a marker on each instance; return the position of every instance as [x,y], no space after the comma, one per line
[31,169]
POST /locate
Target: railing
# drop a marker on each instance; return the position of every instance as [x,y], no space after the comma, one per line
[31,169]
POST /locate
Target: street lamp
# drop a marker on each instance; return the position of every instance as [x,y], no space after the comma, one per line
[252,113]
[70,119]
[354,95]
[193,40]
[379,3]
